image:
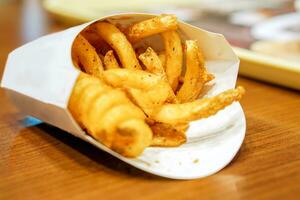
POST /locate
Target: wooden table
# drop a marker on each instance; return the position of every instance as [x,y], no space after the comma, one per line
[42,162]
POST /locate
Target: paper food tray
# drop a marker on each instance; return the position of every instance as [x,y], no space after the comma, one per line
[39,78]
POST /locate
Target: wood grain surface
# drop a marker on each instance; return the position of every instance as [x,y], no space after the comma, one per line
[43,162]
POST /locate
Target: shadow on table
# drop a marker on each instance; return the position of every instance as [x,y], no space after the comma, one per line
[100,157]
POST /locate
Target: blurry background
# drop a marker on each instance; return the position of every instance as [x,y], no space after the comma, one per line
[241,21]
[268,27]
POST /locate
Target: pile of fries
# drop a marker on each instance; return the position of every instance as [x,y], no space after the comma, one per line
[129,96]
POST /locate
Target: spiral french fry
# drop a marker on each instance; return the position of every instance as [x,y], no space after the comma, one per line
[153,64]
[151,26]
[174,57]
[109,116]
[147,90]
[202,108]
[195,76]
[86,56]
[118,41]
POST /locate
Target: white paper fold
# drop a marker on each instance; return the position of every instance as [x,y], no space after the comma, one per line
[39,77]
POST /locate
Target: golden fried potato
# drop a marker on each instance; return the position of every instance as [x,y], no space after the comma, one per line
[145,89]
[85,56]
[108,115]
[162,58]
[109,60]
[118,41]
[195,75]
[132,137]
[166,135]
[202,108]
[131,78]
[173,51]
[151,26]
[149,100]
[113,117]
[152,63]
[94,39]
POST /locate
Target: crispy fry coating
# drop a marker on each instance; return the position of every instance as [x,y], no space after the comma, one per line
[195,76]
[202,108]
[109,60]
[118,41]
[94,39]
[166,135]
[173,63]
[132,137]
[146,90]
[162,58]
[151,26]
[131,78]
[108,115]
[85,56]
[152,63]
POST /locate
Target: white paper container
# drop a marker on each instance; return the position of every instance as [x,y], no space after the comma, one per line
[39,77]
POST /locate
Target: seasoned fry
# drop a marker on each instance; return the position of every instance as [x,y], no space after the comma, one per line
[85,56]
[147,90]
[152,62]
[132,137]
[109,60]
[162,58]
[151,26]
[173,63]
[94,39]
[118,41]
[108,115]
[195,75]
[149,100]
[131,78]
[203,108]
[166,135]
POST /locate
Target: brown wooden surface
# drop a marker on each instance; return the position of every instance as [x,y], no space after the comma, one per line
[42,162]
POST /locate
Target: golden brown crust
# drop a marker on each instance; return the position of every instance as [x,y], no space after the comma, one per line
[174,57]
[166,135]
[118,41]
[105,112]
[151,26]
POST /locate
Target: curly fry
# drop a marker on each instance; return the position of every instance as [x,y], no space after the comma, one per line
[151,26]
[202,108]
[118,41]
[109,116]
[162,58]
[167,135]
[152,62]
[132,137]
[131,78]
[173,63]
[146,90]
[195,76]
[86,56]
[109,60]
